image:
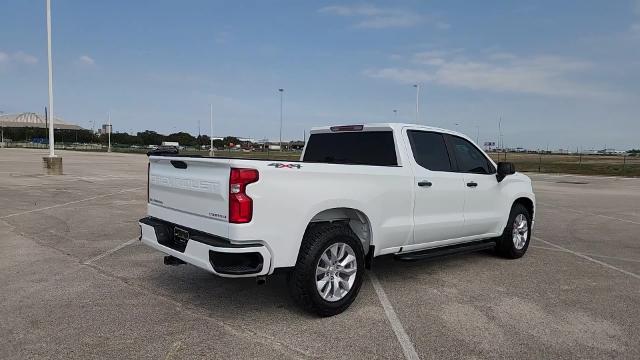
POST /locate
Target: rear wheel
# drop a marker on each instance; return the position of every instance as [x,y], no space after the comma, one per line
[514,241]
[328,274]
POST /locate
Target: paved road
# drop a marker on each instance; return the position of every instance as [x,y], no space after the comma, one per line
[75,283]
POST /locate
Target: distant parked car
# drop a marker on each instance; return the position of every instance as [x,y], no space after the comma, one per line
[164,150]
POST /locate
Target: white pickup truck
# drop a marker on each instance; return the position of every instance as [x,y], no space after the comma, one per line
[358,191]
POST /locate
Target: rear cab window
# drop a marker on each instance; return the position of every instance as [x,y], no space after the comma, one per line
[356,148]
[430,150]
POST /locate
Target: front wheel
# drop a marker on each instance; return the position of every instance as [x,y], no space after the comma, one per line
[514,241]
[329,271]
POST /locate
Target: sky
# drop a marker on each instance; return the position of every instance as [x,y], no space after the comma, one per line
[560,74]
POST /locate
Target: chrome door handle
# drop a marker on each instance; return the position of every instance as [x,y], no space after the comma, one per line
[424,183]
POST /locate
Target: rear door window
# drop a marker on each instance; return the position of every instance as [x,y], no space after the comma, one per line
[429,150]
[358,148]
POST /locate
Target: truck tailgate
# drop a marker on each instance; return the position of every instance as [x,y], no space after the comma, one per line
[194,186]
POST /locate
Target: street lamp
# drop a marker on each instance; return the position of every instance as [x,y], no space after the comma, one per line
[395,114]
[417,86]
[281,95]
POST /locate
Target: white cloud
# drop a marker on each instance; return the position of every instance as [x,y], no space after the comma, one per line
[499,72]
[373,17]
[433,57]
[24,58]
[19,57]
[86,60]
[401,75]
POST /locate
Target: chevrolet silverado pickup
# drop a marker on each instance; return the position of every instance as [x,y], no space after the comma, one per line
[358,192]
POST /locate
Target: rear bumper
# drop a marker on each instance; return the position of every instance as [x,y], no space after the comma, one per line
[214,254]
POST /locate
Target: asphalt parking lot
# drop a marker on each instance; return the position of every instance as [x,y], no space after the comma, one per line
[76,283]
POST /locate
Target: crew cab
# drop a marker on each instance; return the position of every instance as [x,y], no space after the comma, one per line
[357,192]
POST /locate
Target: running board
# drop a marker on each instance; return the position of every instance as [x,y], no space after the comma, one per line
[446,251]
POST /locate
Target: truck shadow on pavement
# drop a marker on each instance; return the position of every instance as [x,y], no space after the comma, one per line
[243,299]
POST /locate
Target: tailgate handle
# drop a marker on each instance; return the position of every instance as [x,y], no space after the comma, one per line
[179,164]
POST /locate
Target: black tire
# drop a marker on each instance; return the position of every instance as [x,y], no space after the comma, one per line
[505,246]
[302,280]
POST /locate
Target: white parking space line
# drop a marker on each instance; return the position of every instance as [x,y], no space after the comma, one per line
[405,342]
[583,256]
[69,203]
[109,252]
[588,213]
[588,254]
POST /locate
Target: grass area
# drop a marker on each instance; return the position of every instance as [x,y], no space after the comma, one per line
[573,164]
[546,163]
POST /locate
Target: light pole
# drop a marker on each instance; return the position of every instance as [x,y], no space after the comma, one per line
[51,142]
[109,131]
[52,164]
[417,86]
[281,96]
[2,118]
[211,133]
[395,114]
[500,133]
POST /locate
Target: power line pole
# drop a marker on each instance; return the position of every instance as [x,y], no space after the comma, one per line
[281,96]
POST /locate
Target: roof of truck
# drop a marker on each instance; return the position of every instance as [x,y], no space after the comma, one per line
[385,126]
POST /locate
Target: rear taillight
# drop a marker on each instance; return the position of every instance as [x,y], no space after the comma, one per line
[240,204]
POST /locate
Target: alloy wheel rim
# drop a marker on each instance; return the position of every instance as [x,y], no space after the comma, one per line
[520,231]
[336,272]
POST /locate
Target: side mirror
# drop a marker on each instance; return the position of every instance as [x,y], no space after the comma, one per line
[505,169]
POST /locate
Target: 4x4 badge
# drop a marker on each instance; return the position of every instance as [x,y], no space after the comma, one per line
[282,165]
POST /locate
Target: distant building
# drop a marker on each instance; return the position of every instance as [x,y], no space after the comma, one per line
[105,129]
[612,152]
[33,120]
[489,145]
[603,152]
